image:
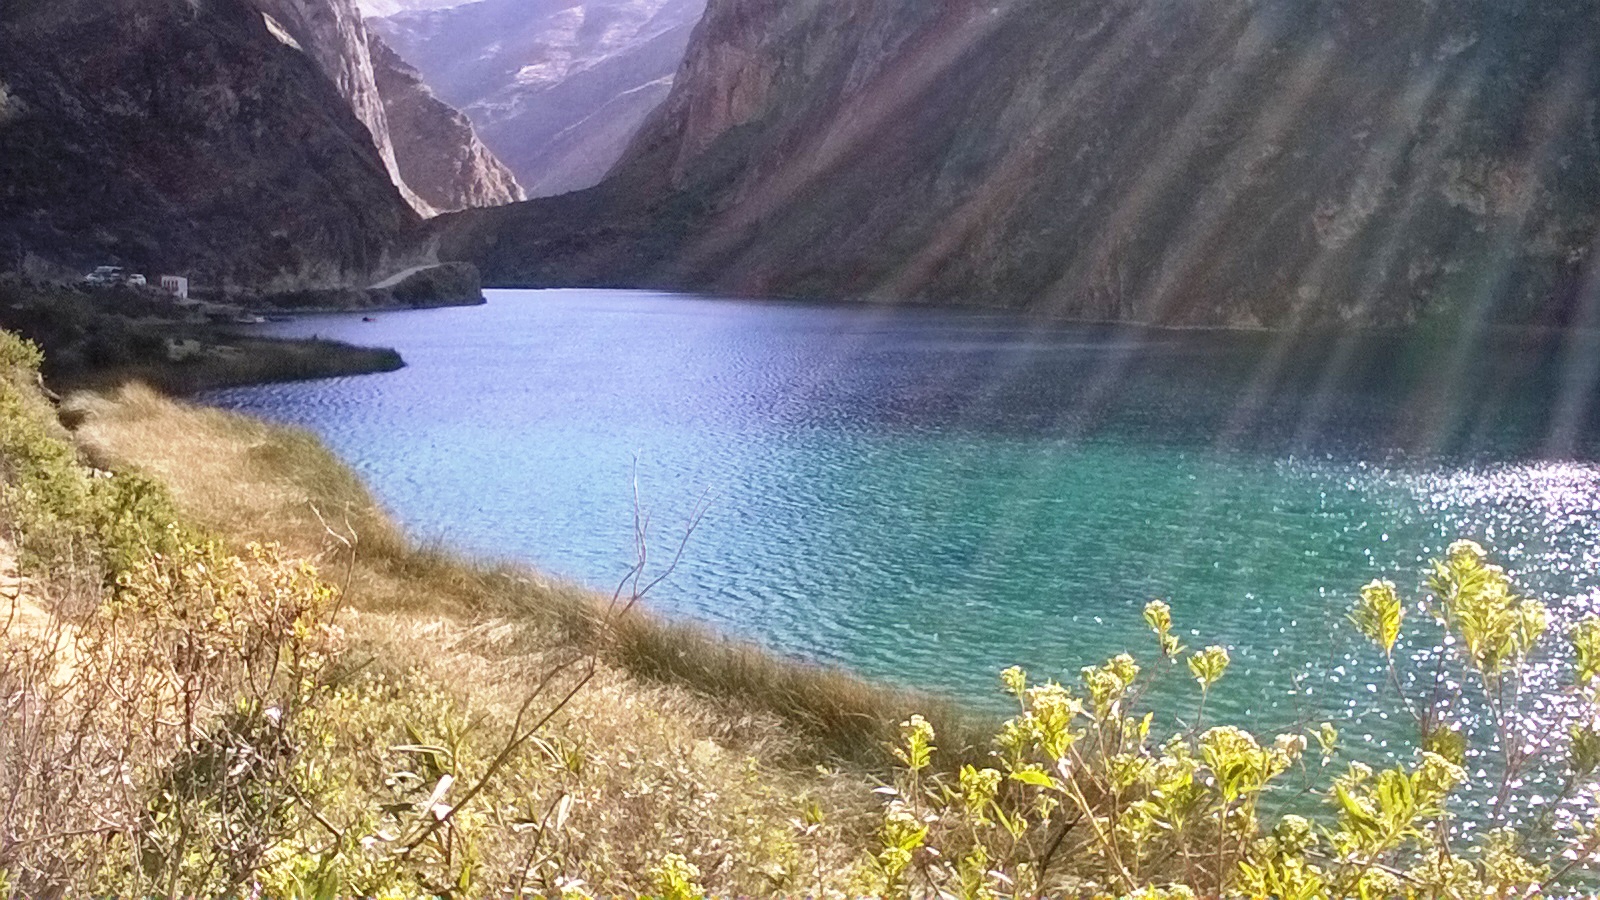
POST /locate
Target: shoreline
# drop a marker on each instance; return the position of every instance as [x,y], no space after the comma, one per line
[358,310]
[782,744]
[1414,331]
[406,648]
[848,716]
[103,339]
[259,361]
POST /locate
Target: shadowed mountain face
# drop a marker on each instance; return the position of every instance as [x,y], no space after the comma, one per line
[1270,162]
[174,137]
[438,152]
[333,34]
[555,87]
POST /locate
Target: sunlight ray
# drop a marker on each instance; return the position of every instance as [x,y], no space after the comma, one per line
[1447,410]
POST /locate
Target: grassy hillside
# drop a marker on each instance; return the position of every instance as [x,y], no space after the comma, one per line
[676,742]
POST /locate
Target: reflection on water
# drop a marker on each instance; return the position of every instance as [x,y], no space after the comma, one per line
[928,497]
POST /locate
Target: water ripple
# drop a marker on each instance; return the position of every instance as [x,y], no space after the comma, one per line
[928,497]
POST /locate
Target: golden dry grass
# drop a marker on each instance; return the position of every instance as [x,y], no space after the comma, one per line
[257,481]
[699,745]
[672,768]
[674,747]
[235,475]
[20,610]
[664,771]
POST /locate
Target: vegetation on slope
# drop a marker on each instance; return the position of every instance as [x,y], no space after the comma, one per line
[1082,781]
[415,668]
[105,337]
[226,674]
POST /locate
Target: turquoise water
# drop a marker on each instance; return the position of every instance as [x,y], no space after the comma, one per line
[927,497]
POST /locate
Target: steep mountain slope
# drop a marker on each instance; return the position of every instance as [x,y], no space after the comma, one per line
[179,137]
[555,87]
[1240,162]
[333,33]
[438,152]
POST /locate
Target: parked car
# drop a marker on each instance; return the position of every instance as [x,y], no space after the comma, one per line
[106,275]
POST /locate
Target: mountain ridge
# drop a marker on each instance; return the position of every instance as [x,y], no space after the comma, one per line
[436,148]
[535,75]
[333,34]
[174,138]
[242,143]
[1273,164]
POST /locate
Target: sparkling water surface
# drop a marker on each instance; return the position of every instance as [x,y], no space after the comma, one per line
[927,497]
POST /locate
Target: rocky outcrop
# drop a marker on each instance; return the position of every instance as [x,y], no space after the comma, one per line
[184,138]
[424,286]
[556,87]
[438,152]
[451,284]
[1218,162]
[334,35]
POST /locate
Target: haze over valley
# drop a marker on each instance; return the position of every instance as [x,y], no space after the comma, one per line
[556,87]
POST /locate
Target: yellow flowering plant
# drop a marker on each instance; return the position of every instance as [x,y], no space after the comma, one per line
[1082,800]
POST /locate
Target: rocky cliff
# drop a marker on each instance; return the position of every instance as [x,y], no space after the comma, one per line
[438,152]
[556,87]
[1218,162]
[177,137]
[334,35]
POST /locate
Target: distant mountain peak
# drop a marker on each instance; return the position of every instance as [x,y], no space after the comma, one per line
[557,88]
[378,8]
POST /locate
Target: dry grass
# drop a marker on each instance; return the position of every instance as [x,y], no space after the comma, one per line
[389,750]
[256,481]
[663,770]
[695,745]
[433,652]
[758,770]
[16,604]
[231,474]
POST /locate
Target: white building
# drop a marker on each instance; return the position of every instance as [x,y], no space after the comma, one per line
[176,286]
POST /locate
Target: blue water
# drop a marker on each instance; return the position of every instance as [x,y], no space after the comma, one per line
[927,497]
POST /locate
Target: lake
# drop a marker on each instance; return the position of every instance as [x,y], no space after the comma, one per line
[927,497]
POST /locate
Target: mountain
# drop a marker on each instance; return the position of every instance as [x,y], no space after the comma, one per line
[1200,162]
[555,87]
[433,156]
[436,148]
[334,35]
[377,8]
[177,137]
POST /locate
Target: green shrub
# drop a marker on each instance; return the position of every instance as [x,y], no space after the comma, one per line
[1081,800]
[57,508]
